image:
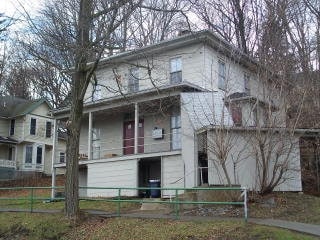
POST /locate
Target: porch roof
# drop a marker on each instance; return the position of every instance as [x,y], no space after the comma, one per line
[8,140]
[137,97]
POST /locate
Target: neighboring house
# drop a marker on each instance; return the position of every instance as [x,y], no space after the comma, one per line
[159,112]
[26,136]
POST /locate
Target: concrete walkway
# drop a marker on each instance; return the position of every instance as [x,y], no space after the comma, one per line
[295,226]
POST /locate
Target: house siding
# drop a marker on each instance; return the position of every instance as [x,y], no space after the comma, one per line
[113,174]
[244,171]
[172,174]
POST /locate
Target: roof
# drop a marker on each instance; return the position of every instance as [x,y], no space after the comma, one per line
[204,36]
[11,106]
[206,109]
[7,140]
[132,97]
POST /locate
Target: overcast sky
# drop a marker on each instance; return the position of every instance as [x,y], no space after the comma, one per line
[12,8]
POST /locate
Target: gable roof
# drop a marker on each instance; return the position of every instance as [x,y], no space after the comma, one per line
[206,109]
[13,106]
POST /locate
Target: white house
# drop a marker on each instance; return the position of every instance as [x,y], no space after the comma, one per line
[155,112]
[26,136]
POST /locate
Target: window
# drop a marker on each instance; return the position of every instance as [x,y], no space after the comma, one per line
[96,93]
[133,81]
[33,125]
[12,125]
[175,132]
[62,157]
[48,129]
[246,81]
[39,155]
[221,75]
[236,113]
[11,153]
[175,70]
[28,157]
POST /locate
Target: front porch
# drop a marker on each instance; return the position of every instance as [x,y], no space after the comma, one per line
[132,129]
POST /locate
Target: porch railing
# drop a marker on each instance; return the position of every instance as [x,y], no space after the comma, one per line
[31,201]
[7,163]
[103,149]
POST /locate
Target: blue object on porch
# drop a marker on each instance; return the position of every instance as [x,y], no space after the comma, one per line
[154,183]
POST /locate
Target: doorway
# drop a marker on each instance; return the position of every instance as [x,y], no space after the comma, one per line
[149,169]
[128,137]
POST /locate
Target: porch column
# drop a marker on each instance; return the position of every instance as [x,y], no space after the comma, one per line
[90,137]
[54,146]
[136,127]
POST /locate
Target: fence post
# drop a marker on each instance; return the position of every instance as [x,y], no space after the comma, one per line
[245,204]
[31,200]
[118,204]
[176,205]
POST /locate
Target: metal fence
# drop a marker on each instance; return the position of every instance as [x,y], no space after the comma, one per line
[31,197]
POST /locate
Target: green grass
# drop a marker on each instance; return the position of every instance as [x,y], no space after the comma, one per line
[59,205]
[32,226]
[136,229]
[54,226]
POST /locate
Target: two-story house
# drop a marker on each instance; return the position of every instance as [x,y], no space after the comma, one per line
[26,136]
[155,111]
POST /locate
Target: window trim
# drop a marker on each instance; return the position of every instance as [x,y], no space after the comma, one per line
[178,128]
[33,130]
[222,76]
[133,80]
[12,127]
[62,155]
[25,155]
[177,72]
[48,129]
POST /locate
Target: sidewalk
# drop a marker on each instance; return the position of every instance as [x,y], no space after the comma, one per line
[295,226]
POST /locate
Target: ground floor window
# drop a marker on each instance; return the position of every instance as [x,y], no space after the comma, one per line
[29,150]
[33,156]
[175,132]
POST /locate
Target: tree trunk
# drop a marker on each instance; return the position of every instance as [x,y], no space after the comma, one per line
[72,170]
[80,83]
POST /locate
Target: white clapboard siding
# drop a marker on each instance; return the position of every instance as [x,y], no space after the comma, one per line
[172,174]
[112,174]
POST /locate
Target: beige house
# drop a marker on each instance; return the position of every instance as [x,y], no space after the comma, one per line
[26,136]
[154,112]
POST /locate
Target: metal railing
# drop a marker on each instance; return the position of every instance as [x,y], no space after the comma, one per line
[175,200]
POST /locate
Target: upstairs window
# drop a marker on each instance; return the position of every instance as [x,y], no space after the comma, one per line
[33,126]
[48,129]
[62,157]
[246,83]
[133,81]
[12,125]
[96,93]
[221,75]
[175,70]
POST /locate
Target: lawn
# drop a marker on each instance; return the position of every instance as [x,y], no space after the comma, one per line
[53,226]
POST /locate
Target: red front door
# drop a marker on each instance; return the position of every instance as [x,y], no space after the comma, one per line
[128,137]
